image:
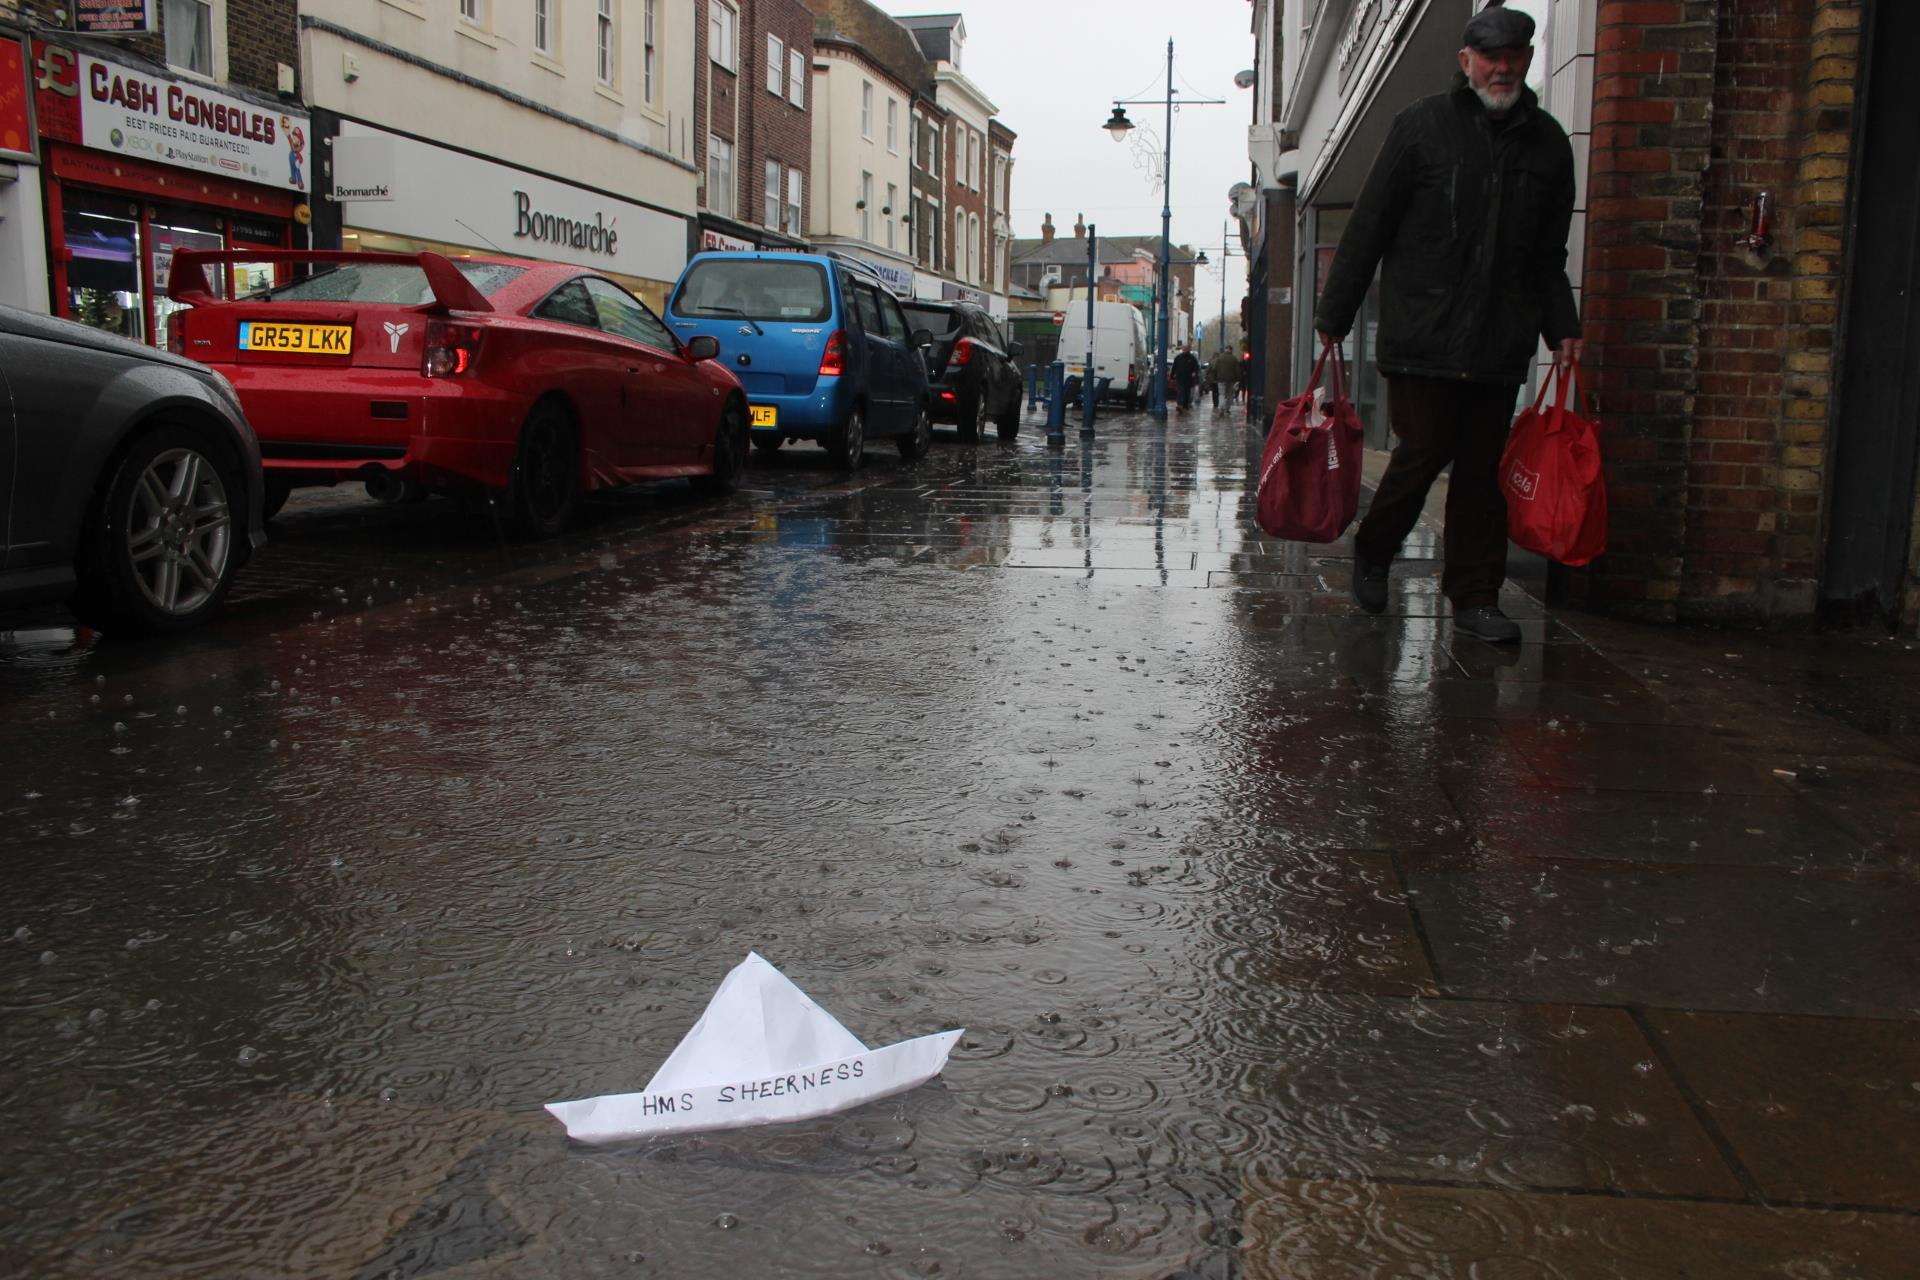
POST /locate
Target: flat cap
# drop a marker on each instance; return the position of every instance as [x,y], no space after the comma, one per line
[1499,28]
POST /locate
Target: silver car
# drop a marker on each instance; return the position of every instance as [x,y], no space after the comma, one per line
[129,478]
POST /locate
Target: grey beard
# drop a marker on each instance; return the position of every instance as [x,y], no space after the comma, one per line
[1498,103]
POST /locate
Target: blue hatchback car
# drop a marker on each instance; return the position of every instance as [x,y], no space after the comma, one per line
[819,343]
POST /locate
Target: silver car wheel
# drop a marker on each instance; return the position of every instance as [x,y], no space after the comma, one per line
[179,531]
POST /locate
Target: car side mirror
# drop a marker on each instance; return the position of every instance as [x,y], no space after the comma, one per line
[923,337]
[1014,350]
[703,347]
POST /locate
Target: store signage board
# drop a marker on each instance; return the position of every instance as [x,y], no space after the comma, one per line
[711,241]
[113,17]
[405,187]
[898,278]
[190,126]
[16,103]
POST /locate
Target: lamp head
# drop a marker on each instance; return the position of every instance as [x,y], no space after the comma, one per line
[1118,125]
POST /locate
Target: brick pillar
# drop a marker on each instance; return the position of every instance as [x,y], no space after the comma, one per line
[1652,106]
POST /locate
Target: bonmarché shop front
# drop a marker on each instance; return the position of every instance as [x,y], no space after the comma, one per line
[139,164]
[400,194]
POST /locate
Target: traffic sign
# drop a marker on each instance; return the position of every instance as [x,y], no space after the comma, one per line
[1059,317]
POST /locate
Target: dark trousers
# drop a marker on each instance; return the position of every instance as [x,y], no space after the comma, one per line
[1213,388]
[1439,421]
[1183,389]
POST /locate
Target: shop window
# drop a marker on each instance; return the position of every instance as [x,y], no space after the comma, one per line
[723,33]
[793,202]
[720,175]
[543,33]
[187,26]
[649,49]
[607,60]
[171,228]
[103,248]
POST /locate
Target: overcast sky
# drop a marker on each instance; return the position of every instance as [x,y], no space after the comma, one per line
[1054,68]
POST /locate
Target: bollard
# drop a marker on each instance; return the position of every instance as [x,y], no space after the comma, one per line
[1089,396]
[1057,405]
[1033,386]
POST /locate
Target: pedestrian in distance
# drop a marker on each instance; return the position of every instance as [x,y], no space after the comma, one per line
[1186,374]
[1222,372]
[1465,214]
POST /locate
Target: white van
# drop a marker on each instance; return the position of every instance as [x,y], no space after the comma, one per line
[1119,349]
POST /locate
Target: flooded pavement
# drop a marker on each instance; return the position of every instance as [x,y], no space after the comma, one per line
[1289,942]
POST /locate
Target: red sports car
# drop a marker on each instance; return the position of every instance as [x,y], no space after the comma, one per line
[417,372]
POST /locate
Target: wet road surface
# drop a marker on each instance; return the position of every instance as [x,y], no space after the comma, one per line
[1289,942]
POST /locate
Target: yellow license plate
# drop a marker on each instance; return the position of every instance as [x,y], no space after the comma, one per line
[766,415]
[313,339]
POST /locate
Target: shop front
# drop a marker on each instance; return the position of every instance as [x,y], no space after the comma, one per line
[713,233]
[137,165]
[23,238]
[398,194]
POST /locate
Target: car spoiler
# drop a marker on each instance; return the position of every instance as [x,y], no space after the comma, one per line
[187,278]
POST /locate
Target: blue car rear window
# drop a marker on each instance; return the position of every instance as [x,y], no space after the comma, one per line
[754,289]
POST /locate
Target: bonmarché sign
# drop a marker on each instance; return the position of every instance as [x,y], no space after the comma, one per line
[529,223]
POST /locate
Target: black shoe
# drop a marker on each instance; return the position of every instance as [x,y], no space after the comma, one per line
[1486,622]
[1369,585]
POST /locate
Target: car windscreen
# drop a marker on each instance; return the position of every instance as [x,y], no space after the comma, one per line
[400,284]
[753,289]
[934,320]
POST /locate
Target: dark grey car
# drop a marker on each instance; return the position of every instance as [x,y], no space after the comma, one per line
[129,478]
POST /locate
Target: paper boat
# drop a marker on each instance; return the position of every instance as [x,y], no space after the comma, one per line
[762,1053]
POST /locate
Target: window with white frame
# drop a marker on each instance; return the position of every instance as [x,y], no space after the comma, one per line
[797,78]
[776,65]
[893,126]
[973,160]
[959,239]
[770,195]
[543,33]
[720,175]
[936,141]
[650,49]
[606,52]
[866,206]
[723,34]
[973,247]
[187,27]
[792,225]
[866,109]
[891,212]
[474,12]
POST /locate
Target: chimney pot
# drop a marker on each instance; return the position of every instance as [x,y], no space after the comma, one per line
[1046,230]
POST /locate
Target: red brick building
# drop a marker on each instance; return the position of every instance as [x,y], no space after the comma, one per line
[752,122]
[1750,241]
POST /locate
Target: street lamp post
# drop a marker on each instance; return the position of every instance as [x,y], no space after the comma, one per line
[1118,125]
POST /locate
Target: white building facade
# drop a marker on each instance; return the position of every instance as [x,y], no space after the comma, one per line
[480,126]
[862,150]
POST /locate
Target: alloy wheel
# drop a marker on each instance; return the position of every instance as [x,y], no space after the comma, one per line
[179,531]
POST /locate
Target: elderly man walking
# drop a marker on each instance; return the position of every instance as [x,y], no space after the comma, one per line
[1465,213]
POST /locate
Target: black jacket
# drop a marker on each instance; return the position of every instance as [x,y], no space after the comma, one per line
[1186,367]
[1467,218]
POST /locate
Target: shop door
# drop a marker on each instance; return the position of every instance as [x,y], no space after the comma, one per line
[104,246]
[170,228]
[1877,426]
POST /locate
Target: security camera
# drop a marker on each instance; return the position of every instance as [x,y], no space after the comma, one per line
[1244,79]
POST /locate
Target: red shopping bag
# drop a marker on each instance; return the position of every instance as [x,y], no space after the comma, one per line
[1551,474]
[1310,472]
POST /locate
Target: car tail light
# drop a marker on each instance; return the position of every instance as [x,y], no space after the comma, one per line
[946,395]
[451,349]
[963,351]
[833,361]
[177,333]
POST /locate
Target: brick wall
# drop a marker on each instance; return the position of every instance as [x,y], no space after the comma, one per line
[742,110]
[1714,364]
[261,35]
[961,196]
